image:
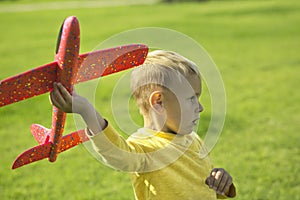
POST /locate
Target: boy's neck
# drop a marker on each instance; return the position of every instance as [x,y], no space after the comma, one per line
[153,125]
[148,123]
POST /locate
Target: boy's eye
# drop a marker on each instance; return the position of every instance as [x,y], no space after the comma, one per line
[193,99]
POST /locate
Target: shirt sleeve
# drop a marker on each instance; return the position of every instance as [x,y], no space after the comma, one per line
[115,151]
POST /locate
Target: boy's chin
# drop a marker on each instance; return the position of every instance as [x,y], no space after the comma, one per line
[187,130]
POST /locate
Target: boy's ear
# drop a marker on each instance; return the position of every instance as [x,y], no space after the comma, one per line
[156,102]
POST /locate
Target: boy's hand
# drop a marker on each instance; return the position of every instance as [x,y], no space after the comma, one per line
[64,101]
[221,181]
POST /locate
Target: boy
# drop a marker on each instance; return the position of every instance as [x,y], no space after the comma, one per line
[163,158]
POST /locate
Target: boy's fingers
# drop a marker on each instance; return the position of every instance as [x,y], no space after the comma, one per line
[228,185]
[207,181]
[223,183]
[213,176]
[64,93]
[57,96]
[210,180]
[54,101]
[217,179]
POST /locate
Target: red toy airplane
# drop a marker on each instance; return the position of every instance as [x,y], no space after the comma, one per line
[68,68]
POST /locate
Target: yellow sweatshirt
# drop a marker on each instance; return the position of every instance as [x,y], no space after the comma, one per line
[162,165]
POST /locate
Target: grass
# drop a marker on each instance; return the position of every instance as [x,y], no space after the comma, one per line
[255,45]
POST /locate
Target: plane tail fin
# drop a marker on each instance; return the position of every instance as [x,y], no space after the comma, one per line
[40,133]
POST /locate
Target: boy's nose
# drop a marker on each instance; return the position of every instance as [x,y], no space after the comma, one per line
[200,107]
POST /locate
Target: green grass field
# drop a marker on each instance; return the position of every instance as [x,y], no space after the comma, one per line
[256,47]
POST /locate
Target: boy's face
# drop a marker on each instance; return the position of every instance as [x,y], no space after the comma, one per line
[182,105]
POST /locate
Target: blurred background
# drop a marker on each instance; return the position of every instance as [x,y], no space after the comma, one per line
[255,45]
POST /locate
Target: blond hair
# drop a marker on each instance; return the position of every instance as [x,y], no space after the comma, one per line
[157,72]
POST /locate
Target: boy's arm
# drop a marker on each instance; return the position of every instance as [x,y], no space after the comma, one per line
[221,181]
[109,144]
